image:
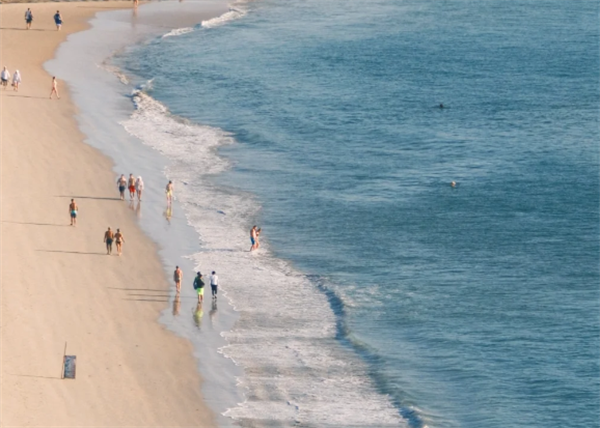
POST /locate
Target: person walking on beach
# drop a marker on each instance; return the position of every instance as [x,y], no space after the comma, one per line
[214,284]
[121,183]
[16,80]
[4,77]
[131,185]
[54,88]
[119,239]
[57,20]
[254,233]
[73,208]
[199,287]
[139,187]
[169,192]
[177,277]
[108,238]
[28,18]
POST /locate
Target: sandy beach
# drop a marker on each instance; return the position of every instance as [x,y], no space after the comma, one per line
[58,284]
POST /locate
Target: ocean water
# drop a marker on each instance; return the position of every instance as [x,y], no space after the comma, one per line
[382,296]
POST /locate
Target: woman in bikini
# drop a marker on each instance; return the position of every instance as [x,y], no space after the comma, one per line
[119,239]
[54,88]
[169,192]
[108,238]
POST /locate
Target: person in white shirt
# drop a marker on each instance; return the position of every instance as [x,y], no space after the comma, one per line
[16,80]
[214,284]
[5,77]
[139,187]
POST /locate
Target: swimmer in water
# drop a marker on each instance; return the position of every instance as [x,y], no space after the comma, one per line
[453,184]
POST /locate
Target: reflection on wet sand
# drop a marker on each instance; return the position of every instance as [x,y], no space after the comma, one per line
[198,313]
[176,304]
[136,206]
[213,311]
[168,213]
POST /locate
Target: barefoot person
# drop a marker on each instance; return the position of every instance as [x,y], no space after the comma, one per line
[121,184]
[214,284]
[54,88]
[177,277]
[28,18]
[5,77]
[73,208]
[139,187]
[254,233]
[108,238]
[258,238]
[199,287]
[169,192]
[16,80]
[57,20]
[131,185]
[119,239]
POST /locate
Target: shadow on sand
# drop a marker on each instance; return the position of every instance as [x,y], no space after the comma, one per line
[100,198]
[72,252]
[25,29]
[39,377]
[36,224]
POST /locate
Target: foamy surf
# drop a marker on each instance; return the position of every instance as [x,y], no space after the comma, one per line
[231,15]
[178,32]
[296,372]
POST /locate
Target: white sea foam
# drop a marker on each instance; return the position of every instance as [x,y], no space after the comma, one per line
[295,371]
[232,14]
[178,32]
[114,70]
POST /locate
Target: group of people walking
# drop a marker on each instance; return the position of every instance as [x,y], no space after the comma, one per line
[5,77]
[198,283]
[29,19]
[134,185]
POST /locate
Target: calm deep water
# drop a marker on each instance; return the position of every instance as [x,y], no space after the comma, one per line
[475,306]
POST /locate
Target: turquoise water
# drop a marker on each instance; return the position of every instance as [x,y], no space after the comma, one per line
[475,306]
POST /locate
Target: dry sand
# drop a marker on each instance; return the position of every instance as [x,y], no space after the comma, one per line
[58,284]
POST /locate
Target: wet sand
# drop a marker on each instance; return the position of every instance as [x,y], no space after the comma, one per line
[58,284]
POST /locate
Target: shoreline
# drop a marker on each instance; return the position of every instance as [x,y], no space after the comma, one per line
[55,288]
